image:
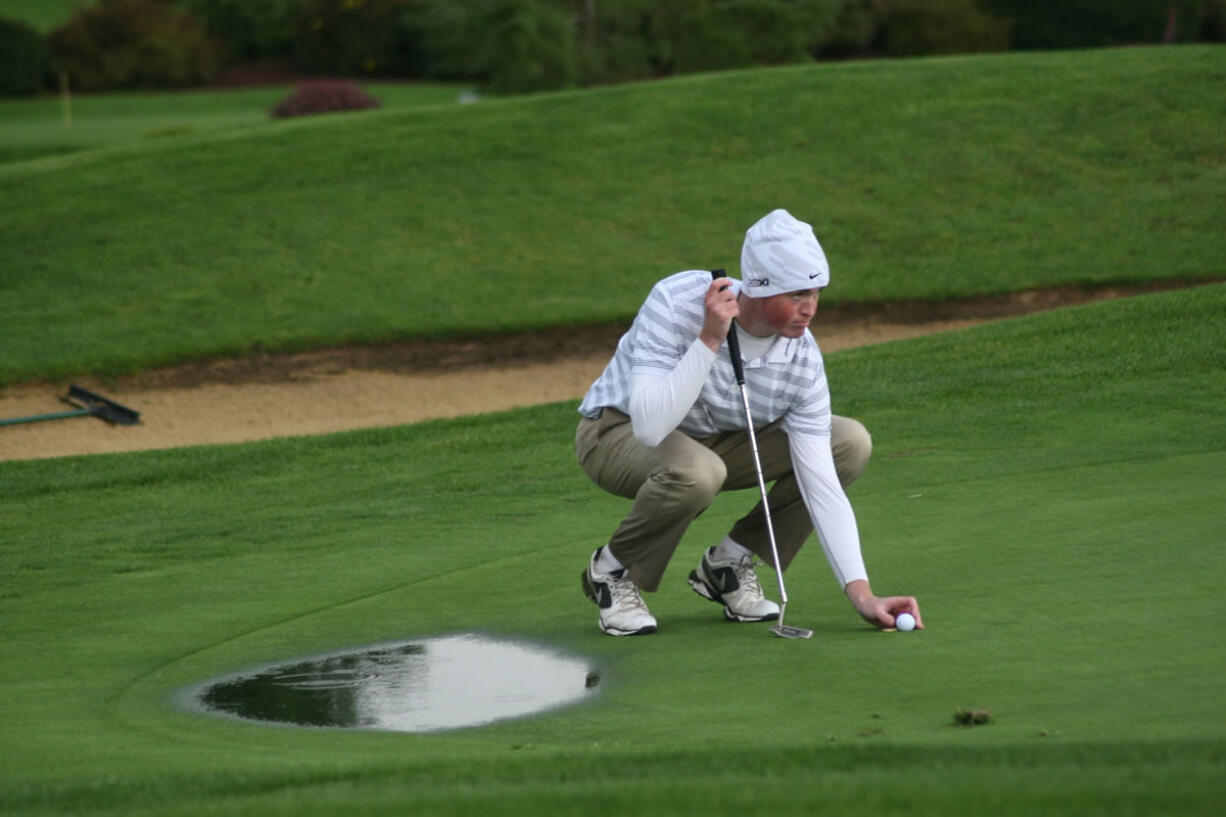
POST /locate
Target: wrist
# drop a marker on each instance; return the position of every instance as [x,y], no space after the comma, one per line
[858,592]
[712,342]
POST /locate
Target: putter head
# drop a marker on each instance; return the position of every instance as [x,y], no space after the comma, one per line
[784,631]
[791,632]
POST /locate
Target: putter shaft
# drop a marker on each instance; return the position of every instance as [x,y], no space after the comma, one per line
[757,463]
[738,369]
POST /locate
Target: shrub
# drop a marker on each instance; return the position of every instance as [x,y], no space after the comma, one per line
[250,29]
[134,44]
[358,38]
[689,35]
[532,48]
[856,25]
[772,32]
[1080,23]
[324,96]
[610,42]
[636,38]
[23,58]
[1213,21]
[703,36]
[818,21]
[512,46]
[941,27]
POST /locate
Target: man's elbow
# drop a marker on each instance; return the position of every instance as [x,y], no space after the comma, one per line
[647,436]
[645,431]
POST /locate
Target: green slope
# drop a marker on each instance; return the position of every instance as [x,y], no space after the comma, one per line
[924,178]
[42,127]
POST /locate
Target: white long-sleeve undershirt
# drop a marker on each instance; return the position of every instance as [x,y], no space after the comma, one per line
[658,404]
[829,509]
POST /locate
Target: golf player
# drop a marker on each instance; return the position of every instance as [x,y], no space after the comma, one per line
[664,425]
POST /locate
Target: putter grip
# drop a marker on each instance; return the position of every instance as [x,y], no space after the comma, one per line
[734,344]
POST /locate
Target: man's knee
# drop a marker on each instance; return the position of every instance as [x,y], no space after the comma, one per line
[852,446]
[693,482]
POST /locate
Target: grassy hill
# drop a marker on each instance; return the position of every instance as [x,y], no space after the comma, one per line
[930,178]
[39,127]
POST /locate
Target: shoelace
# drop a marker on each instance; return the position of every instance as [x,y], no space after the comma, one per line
[626,593]
[748,578]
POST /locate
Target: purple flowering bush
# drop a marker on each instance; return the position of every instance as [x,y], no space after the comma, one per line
[324,96]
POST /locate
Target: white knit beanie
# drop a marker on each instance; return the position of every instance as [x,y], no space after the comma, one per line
[781,254]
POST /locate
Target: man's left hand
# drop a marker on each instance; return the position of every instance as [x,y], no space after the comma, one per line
[881,610]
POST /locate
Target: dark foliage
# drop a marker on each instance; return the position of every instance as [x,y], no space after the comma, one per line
[518,46]
[511,46]
[23,59]
[1088,23]
[358,38]
[251,29]
[134,44]
[941,27]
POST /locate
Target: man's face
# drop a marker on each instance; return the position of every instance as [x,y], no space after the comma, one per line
[787,314]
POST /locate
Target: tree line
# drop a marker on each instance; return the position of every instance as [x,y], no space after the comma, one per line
[519,46]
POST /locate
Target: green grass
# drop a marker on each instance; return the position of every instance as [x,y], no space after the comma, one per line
[925,179]
[39,128]
[1049,487]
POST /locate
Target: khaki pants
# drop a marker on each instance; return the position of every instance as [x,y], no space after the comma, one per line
[673,483]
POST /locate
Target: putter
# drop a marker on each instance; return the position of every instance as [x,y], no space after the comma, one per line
[734,351]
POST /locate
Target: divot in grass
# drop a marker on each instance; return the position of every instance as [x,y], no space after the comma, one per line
[972,717]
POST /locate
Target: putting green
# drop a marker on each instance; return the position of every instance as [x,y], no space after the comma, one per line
[1067,567]
[1056,599]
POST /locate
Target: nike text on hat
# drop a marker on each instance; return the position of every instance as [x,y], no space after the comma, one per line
[781,254]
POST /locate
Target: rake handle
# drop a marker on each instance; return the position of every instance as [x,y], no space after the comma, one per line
[38,418]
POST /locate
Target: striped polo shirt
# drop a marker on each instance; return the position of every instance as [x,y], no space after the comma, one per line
[789,381]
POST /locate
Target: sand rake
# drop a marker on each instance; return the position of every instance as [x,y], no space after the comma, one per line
[88,404]
[734,351]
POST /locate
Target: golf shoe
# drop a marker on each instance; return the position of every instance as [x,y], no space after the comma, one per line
[734,584]
[622,609]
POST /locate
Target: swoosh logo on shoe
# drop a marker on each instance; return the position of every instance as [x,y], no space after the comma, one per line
[724,580]
[598,592]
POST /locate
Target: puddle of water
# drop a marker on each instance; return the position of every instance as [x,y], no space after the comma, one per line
[420,686]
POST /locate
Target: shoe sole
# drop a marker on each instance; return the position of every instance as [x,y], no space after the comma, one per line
[590,592]
[648,630]
[708,592]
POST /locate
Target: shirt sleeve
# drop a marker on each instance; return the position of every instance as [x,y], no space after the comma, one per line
[831,512]
[659,402]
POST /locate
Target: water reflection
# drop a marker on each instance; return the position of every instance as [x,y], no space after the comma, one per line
[422,686]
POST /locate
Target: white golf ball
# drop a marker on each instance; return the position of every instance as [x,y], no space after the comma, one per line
[905,622]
